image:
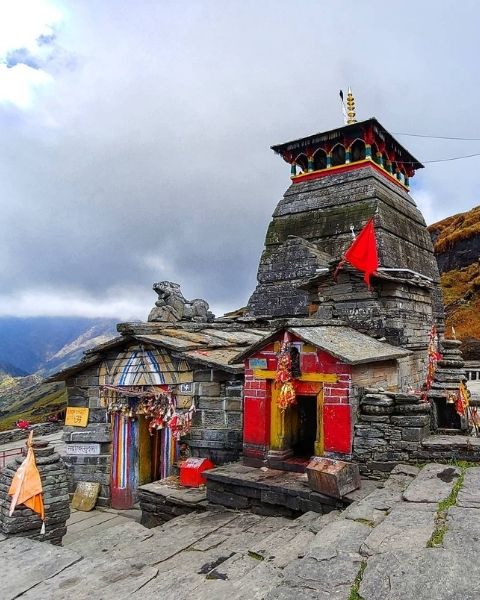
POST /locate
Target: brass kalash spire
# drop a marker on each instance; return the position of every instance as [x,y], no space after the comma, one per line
[349,109]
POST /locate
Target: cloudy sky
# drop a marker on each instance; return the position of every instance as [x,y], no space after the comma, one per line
[135,135]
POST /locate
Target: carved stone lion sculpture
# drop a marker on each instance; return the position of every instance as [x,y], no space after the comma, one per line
[172,306]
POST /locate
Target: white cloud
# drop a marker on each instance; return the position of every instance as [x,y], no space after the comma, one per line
[50,303]
[22,22]
[19,84]
[23,25]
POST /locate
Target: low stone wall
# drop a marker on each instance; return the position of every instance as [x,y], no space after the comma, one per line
[24,522]
[162,501]
[18,435]
[390,429]
[281,494]
[217,423]
[96,468]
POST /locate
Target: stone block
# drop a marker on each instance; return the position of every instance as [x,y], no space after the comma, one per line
[207,388]
[234,420]
[234,391]
[215,403]
[414,434]
[234,404]
[98,415]
[411,421]
[214,419]
[215,435]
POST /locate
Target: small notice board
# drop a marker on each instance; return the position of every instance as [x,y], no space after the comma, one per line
[76,416]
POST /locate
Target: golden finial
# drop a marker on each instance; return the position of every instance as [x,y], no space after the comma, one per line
[350,108]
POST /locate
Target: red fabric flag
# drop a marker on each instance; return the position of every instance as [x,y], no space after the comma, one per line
[363,254]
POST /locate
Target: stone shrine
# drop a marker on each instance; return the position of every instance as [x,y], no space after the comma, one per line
[24,522]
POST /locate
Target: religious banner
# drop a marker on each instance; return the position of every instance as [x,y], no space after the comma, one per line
[76,416]
[362,253]
[83,449]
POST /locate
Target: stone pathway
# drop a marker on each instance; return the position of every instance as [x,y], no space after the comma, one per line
[415,537]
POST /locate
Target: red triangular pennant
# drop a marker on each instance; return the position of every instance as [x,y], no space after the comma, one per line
[362,254]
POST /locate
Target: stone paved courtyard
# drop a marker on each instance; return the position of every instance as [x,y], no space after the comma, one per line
[415,536]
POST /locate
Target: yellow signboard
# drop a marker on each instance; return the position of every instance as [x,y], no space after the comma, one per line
[76,416]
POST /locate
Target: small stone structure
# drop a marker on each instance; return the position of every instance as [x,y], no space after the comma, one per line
[269,492]
[449,373]
[162,501]
[189,359]
[24,522]
[390,428]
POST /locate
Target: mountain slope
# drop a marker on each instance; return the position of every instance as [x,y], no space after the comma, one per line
[457,248]
[25,396]
[28,343]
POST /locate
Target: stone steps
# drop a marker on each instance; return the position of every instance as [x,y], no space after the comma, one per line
[223,553]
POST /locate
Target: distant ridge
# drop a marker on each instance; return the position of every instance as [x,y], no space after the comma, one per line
[33,348]
[456,242]
[30,344]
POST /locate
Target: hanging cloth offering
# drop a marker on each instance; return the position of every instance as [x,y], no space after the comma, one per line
[287,396]
[26,487]
[362,253]
[462,402]
[433,357]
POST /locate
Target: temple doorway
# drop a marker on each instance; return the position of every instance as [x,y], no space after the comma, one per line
[306,426]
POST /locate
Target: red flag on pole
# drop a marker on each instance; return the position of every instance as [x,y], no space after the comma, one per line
[362,254]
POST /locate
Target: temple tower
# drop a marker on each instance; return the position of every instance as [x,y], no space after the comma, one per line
[340,179]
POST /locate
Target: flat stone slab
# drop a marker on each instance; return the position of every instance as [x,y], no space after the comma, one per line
[339,537]
[25,563]
[433,484]
[330,579]
[375,507]
[283,546]
[124,532]
[463,530]
[450,442]
[407,527]
[95,578]
[429,574]
[469,495]
[175,493]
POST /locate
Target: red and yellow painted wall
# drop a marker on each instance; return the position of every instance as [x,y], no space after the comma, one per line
[323,377]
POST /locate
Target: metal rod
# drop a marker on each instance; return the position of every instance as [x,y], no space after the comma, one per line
[405,271]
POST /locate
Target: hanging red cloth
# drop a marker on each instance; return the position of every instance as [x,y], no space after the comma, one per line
[363,254]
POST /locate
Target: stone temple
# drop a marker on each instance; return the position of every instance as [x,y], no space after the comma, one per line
[357,356]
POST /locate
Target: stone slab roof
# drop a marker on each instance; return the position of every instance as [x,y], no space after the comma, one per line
[345,343]
[210,346]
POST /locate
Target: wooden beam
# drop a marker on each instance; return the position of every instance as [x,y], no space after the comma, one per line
[312,377]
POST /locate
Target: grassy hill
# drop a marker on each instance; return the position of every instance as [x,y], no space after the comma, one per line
[457,247]
[30,399]
[45,345]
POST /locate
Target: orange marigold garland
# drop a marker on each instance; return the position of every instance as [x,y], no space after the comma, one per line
[286,371]
[433,357]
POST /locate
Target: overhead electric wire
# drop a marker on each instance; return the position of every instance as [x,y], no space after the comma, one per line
[439,137]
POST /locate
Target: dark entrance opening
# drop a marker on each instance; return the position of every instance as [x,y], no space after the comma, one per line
[307,426]
[446,415]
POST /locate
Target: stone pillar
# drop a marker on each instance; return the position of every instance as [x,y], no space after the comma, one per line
[448,376]
[24,522]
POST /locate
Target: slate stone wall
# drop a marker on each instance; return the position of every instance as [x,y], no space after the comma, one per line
[26,523]
[84,391]
[217,423]
[321,211]
[390,428]
[399,311]
[216,432]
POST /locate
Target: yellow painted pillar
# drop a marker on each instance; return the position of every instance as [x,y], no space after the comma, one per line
[318,446]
